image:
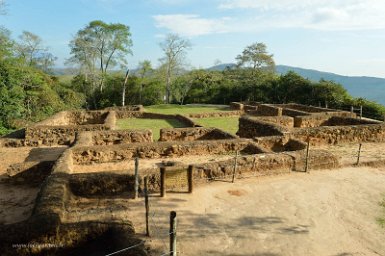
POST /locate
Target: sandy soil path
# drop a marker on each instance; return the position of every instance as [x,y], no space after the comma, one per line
[321,213]
[17,201]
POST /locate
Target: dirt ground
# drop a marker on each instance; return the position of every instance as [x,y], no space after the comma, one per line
[17,201]
[321,213]
[348,152]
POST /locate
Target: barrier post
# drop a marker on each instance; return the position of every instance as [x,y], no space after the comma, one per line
[146,205]
[136,177]
[235,165]
[162,181]
[361,112]
[307,156]
[190,178]
[359,154]
[173,233]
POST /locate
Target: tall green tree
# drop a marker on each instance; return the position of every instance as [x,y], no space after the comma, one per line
[100,46]
[6,44]
[175,49]
[31,50]
[144,69]
[256,57]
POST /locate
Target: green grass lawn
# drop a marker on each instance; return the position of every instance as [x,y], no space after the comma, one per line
[228,124]
[184,109]
[153,124]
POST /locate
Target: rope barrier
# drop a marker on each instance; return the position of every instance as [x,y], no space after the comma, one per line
[126,249]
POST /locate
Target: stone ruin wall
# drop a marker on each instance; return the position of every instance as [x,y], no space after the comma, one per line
[267,110]
[121,137]
[104,154]
[65,135]
[341,134]
[304,108]
[192,134]
[216,114]
[284,121]
[322,119]
[250,127]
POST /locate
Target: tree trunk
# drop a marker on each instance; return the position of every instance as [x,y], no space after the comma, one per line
[124,88]
[168,84]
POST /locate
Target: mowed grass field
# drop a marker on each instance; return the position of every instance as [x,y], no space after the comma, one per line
[185,109]
[153,124]
[228,124]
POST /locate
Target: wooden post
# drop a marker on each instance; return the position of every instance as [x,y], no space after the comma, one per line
[173,233]
[359,154]
[146,205]
[361,112]
[253,167]
[162,181]
[190,178]
[235,165]
[307,155]
[136,177]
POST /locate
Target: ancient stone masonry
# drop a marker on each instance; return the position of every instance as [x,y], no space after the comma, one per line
[285,121]
[268,110]
[103,154]
[341,134]
[273,141]
[192,134]
[217,114]
[250,127]
[324,119]
[120,137]
[304,108]
[75,122]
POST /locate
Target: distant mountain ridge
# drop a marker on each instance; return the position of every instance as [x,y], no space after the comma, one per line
[371,88]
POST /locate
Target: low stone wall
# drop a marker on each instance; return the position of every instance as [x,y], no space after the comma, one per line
[86,117]
[104,154]
[268,110]
[192,134]
[187,121]
[97,185]
[279,144]
[304,108]
[321,119]
[114,137]
[247,108]
[129,108]
[12,143]
[264,164]
[250,127]
[58,119]
[236,106]
[50,135]
[48,223]
[338,121]
[216,114]
[285,121]
[341,134]
[293,112]
[128,114]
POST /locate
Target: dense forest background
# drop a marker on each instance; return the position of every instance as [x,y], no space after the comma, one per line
[30,91]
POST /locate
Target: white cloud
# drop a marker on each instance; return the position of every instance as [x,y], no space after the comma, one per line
[316,14]
[191,25]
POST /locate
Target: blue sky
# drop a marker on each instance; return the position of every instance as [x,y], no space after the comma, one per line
[341,36]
